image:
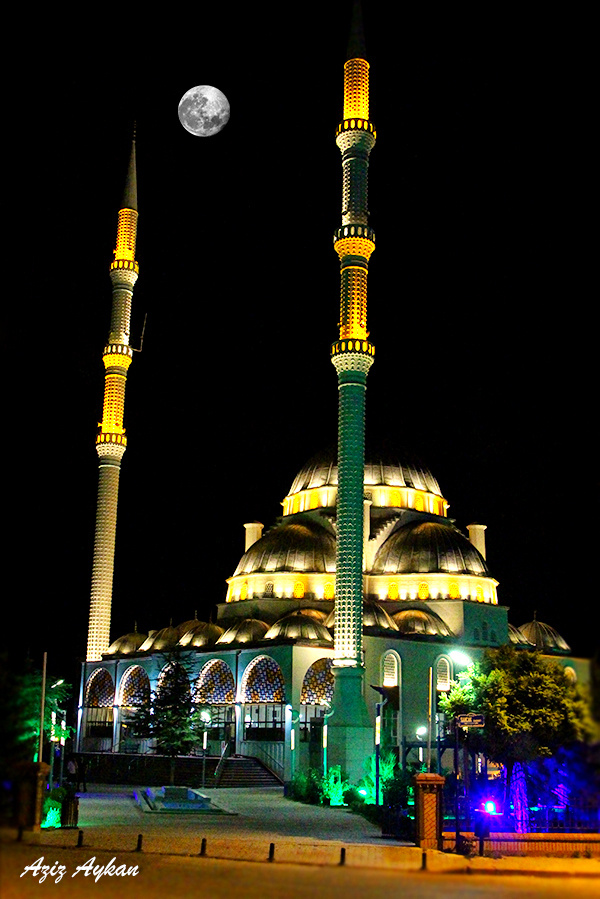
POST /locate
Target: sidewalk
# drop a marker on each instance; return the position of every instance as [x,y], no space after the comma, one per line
[110,819]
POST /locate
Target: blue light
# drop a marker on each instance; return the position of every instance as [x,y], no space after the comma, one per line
[490,807]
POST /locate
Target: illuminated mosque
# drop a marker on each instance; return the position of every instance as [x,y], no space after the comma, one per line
[354,602]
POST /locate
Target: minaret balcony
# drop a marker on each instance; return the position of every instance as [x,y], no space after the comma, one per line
[356,125]
[354,346]
[106,437]
[131,266]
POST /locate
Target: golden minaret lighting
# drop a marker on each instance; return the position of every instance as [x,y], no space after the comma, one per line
[111,441]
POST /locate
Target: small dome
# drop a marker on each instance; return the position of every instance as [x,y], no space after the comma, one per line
[301,545]
[374,615]
[381,468]
[428,547]
[127,644]
[299,625]
[544,637]
[246,630]
[421,621]
[516,637]
[185,626]
[202,633]
[166,638]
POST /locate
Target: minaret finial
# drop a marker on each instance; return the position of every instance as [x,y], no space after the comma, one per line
[356,42]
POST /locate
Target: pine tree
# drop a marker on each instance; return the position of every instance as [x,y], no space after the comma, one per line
[171,718]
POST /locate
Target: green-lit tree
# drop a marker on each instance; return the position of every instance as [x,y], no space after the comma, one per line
[171,718]
[531,708]
[20,706]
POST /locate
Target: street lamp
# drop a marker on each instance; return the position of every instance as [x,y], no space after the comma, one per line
[461,658]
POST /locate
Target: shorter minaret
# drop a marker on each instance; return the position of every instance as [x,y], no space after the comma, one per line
[111,441]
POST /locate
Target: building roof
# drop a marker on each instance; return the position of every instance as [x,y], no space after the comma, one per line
[544,637]
[246,630]
[427,547]
[304,544]
[381,468]
[421,621]
[299,625]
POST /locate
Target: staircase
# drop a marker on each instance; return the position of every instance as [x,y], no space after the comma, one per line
[239,771]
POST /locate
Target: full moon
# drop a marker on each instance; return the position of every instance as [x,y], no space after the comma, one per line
[203,110]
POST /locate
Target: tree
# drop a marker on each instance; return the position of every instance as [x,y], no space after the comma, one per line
[20,704]
[531,708]
[171,718]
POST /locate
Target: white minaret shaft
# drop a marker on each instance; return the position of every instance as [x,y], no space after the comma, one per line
[111,441]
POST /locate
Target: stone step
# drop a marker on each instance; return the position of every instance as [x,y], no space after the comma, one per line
[246,772]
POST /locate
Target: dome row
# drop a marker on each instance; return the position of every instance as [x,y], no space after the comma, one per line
[306,544]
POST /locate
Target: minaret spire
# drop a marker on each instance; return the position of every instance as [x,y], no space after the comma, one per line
[111,441]
[352,355]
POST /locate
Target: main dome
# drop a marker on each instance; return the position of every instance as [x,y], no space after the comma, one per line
[428,547]
[383,468]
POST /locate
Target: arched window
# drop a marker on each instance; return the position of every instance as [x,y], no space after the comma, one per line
[318,683]
[443,675]
[98,715]
[263,681]
[99,690]
[135,688]
[390,670]
[215,684]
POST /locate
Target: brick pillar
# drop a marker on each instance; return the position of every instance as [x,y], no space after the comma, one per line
[428,810]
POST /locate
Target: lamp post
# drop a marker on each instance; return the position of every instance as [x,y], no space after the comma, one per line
[377,749]
[325,717]
[461,658]
[42,708]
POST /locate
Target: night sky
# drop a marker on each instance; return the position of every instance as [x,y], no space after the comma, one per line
[478,307]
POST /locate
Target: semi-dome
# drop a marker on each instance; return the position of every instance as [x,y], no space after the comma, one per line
[544,637]
[246,630]
[299,625]
[166,638]
[428,547]
[127,644]
[517,638]
[202,633]
[300,545]
[421,621]
[374,615]
[381,467]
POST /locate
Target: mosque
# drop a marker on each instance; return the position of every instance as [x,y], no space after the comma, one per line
[351,615]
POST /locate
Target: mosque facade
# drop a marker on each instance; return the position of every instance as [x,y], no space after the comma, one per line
[363,599]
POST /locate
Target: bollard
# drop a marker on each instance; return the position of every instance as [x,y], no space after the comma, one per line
[20,834]
[203,846]
[271,851]
[343,855]
[138,848]
[424,860]
[80,839]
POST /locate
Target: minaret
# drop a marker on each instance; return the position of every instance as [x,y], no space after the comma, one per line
[352,356]
[111,441]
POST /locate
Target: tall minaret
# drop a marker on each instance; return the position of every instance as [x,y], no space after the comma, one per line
[111,441]
[352,356]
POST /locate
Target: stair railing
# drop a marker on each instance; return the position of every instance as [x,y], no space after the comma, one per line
[225,753]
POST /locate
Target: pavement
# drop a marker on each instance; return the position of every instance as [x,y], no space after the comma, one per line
[260,824]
